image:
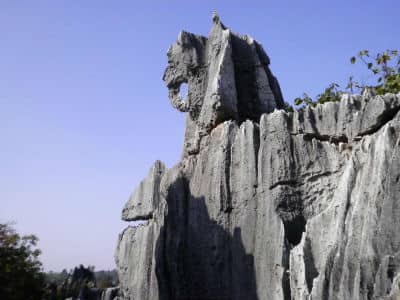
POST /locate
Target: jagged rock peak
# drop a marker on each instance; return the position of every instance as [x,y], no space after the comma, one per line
[228,78]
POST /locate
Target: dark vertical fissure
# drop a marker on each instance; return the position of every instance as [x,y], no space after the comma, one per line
[256,139]
[287,293]
[311,271]
[294,229]
[227,206]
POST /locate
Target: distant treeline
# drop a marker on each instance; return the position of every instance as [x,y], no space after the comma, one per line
[22,276]
[80,282]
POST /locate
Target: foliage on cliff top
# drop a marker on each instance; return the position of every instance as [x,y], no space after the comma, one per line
[384,66]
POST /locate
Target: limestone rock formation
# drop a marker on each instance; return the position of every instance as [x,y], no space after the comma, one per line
[110,293]
[145,198]
[265,204]
[228,79]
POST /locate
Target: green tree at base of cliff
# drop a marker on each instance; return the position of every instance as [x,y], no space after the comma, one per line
[21,276]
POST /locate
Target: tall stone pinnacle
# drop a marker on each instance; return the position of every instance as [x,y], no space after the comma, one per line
[228,78]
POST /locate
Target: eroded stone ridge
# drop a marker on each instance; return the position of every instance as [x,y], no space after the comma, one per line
[272,205]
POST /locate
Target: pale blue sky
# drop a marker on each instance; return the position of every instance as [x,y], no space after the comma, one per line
[84,112]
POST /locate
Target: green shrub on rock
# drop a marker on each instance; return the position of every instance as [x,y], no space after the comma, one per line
[385,66]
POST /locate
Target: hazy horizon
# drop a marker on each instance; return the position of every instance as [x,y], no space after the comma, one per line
[85,112]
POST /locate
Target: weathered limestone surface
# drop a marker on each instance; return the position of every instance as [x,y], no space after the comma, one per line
[265,204]
[145,198]
[110,294]
[228,79]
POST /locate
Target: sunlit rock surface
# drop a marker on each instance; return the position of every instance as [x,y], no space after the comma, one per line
[265,204]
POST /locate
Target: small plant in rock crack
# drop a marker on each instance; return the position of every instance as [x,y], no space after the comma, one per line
[386,66]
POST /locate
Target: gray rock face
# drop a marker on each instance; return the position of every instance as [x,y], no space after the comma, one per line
[271,205]
[145,198]
[110,294]
[228,79]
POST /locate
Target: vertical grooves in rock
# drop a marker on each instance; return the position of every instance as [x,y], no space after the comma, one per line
[311,271]
[150,268]
[186,228]
[273,82]
[256,139]
[326,286]
[244,78]
[227,206]
[230,269]
[166,282]
[287,293]
[276,89]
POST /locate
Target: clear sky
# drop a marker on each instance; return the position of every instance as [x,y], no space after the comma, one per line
[84,112]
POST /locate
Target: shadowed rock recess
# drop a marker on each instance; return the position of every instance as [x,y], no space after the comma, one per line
[265,204]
